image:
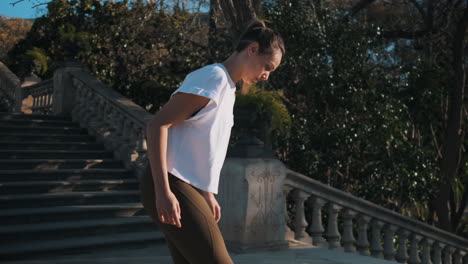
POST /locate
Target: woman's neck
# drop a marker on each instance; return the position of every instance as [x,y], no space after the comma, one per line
[234,67]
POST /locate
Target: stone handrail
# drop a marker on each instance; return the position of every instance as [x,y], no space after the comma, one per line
[8,84]
[120,124]
[41,94]
[427,244]
[116,120]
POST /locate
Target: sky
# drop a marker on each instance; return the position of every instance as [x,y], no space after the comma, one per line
[22,9]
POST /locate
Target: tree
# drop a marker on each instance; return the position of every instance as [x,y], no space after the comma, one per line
[238,13]
[11,31]
[440,32]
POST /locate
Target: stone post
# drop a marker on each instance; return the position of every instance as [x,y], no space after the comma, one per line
[64,90]
[251,198]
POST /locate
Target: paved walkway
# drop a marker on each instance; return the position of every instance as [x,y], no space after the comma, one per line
[299,253]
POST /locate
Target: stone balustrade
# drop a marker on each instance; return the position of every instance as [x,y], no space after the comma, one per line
[253,186]
[115,120]
[41,95]
[381,233]
[8,85]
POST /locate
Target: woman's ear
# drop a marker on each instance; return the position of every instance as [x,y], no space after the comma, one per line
[252,49]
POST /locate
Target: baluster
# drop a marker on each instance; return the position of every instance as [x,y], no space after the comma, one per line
[300,222]
[414,249]
[141,150]
[89,120]
[333,234]
[117,125]
[38,106]
[126,127]
[123,151]
[49,101]
[93,120]
[289,232]
[41,100]
[389,245]
[376,239]
[44,103]
[426,253]
[79,102]
[107,127]
[362,240]
[86,108]
[448,252]
[110,131]
[34,106]
[101,117]
[457,257]
[348,236]
[316,228]
[465,258]
[134,146]
[438,246]
[402,252]
[116,130]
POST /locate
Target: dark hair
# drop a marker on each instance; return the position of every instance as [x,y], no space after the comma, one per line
[268,39]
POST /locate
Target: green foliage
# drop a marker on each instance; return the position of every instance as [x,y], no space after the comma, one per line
[358,116]
[351,121]
[142,52]
[39,58]
[270,102]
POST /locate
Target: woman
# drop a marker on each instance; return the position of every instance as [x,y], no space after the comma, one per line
[187,141]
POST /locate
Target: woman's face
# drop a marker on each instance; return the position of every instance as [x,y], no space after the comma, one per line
[259,65]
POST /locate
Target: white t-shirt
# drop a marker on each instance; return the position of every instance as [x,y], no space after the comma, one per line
[197,147]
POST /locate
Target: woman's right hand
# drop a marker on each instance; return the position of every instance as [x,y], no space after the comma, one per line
[168,209]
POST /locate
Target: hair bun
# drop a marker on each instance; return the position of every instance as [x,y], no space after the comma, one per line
[255,23]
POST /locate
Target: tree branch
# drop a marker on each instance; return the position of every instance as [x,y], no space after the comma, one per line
[34,6]
[404,34]
[14,3]
[419,7]
[359,6]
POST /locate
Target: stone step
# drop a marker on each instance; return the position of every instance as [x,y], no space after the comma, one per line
[74,229]
[49,137]
[41,164]
[64,246]
[10,201]
[69,213]
[30,187]
[37,123]
[55,154]
[3,105]
[50,145]
[9,116]
[64,174]
[44,130]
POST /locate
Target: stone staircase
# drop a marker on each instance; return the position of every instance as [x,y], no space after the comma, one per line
[60,191]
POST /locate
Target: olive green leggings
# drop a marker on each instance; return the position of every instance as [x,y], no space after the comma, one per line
[199,240]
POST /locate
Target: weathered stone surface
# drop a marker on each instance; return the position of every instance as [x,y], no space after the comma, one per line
[252,204]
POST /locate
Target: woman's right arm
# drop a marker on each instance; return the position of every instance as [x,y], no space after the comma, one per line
[180,107]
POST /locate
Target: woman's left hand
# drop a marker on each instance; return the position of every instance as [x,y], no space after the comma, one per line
[213,204]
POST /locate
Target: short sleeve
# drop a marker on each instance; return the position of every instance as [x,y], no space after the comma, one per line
[207,82]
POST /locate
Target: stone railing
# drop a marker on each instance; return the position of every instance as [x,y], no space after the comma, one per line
[114,119]
[427,244]
[253,184]
[40,95]
[8,84]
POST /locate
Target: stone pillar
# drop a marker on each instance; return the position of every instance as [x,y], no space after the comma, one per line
[251,198]
[64,90]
